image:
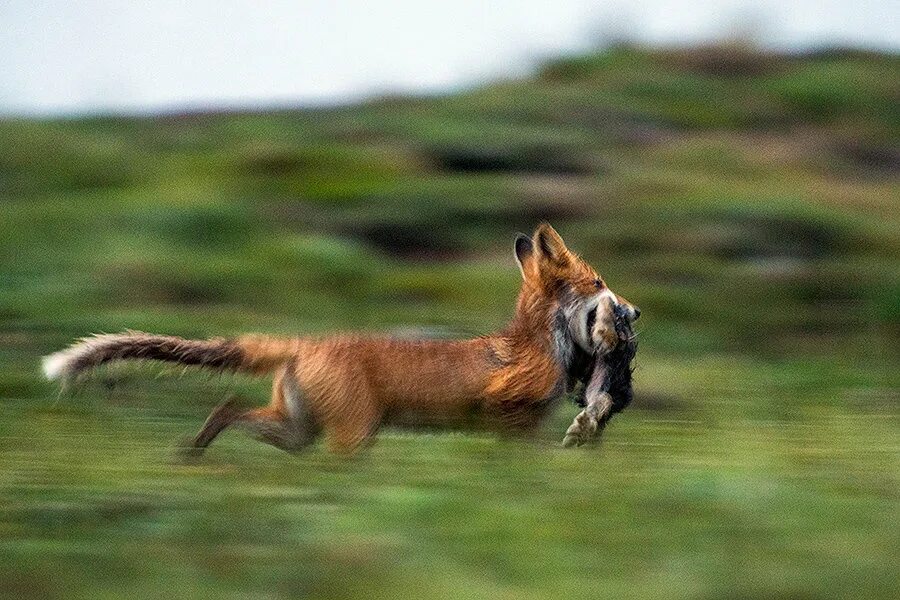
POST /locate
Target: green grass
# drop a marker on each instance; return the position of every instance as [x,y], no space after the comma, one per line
[703,498]
[746,202]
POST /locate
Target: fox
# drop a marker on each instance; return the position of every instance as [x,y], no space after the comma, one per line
[347,386]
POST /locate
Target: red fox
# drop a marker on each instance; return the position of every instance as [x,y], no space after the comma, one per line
[347,386]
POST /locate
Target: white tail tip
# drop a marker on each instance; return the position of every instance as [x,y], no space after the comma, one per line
[56,366]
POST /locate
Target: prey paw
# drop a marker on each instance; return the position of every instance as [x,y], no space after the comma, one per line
[580,431]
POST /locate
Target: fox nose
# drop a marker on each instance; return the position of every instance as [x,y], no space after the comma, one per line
[637,313]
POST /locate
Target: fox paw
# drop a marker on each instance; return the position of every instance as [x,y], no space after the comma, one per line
[186,452]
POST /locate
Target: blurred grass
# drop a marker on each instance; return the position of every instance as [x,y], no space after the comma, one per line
[746,201]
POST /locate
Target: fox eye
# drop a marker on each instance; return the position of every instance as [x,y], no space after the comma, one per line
[598,284]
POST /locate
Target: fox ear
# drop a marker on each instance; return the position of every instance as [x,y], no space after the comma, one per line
[524,253]
[550,245]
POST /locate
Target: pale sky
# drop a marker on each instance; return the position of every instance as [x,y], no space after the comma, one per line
[87,56]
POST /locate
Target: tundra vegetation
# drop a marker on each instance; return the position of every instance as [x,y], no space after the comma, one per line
[746,201]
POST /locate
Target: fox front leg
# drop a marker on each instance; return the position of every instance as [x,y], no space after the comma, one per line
[589,421]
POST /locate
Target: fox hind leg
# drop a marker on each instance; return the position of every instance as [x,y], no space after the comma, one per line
[273,427]
[221,417]
[286,423]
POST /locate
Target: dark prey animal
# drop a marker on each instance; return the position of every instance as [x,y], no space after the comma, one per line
[607,385]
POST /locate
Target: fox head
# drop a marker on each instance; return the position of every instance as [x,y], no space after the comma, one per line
[586,309]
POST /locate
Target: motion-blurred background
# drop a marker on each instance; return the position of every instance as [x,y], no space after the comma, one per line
[216,168]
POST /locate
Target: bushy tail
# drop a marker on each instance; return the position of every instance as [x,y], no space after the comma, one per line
[251,354]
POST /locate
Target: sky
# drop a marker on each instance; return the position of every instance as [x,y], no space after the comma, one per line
[62,57]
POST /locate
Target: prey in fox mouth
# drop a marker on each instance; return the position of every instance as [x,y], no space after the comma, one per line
[607,387]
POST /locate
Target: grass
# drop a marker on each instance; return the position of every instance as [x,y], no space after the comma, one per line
[706,503]
[746,201]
